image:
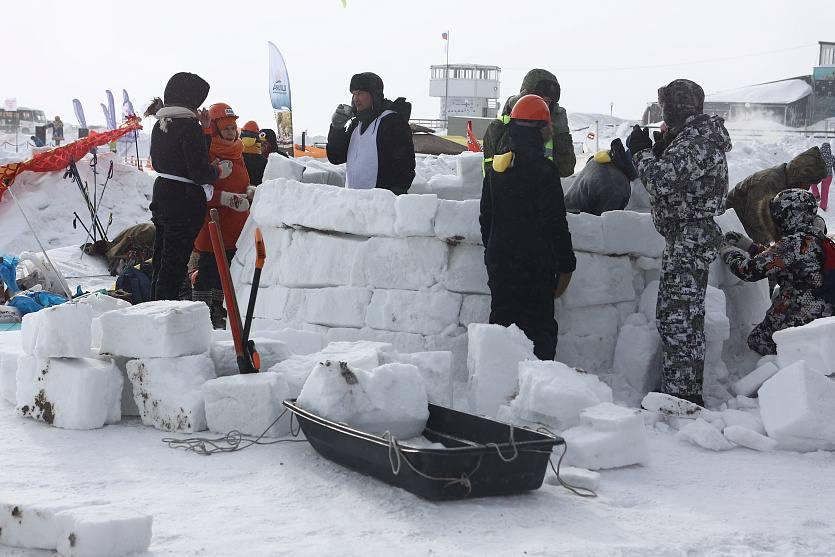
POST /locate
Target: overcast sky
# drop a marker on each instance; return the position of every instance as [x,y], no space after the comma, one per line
[604,51]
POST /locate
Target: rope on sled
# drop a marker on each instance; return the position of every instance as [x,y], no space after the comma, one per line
[396,457]
[231,442]
[575,489]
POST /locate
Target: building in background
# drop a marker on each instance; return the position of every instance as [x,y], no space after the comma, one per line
[466,90]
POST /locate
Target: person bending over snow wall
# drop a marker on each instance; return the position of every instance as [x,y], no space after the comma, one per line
[795,262]
[560,149]
[686,176]
[752,196]
[180,156]
[527,244]
[231,197]
[603,184]
[377,144]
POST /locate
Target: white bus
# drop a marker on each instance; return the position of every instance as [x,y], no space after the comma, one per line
[25,118]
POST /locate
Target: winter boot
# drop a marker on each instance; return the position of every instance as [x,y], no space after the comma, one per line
[204,296]
[217,311]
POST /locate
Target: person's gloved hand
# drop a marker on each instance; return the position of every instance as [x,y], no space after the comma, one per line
[562,284]
[660,143]
[341,115]
[235,201]
[736,239]
[639,139]
[224,168]
[250,193]
[727,248]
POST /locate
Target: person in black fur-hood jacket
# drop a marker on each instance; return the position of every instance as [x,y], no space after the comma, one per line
[377,143]
[181,159]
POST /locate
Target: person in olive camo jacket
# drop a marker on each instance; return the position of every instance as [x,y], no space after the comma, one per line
[560,149]
[686,176]
[795,262]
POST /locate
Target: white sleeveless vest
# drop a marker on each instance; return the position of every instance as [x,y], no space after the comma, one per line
[361,171]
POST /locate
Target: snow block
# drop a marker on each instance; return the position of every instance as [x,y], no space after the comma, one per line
[8,373]
[315,260]
[553,394]
[599,279]
[32,525]
[747,303]
[163,329]
[469,167]
[729,222]
[628,232]
[436,369]
[102,531]
[813,342]
[404,342]
[390,398]
[798,402]
[638,355]
[403,263]
[457,221]
[475,308]
[342,306]
[717,326]
[426,313]
[29,332]
[608,436]
[247,403]
[168,391]
[455,342]
[590,353]
[466,272]
[225,360]
[576,477]
[705,435]
[493,356]
[586,232]
[745,437]
[748,420]
[415,214]
[361,354]
[315,176]
[670,405]
[751,383]
[288,202]
[70,393]
[282,167]
[587,321]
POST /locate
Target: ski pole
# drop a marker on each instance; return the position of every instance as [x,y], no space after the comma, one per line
[136,142]
[104,188]
[78,219]
[94,162]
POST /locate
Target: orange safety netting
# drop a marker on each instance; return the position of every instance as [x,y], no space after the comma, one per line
[61,157]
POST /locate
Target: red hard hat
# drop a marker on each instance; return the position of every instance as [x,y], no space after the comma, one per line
[251,126]
[221,110]
[531,107]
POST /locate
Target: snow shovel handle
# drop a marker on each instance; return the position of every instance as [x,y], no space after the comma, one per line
[223,271]
[260,257]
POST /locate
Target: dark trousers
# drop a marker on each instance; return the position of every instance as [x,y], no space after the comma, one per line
[178,211]
[532,310]
[208,277]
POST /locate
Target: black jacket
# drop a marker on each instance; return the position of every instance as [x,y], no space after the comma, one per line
[598,188]
[255,165]
[523,226]
[181,151]
[395,148]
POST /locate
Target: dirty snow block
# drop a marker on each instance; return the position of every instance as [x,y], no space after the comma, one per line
[168,391]
[282,167]
[390,398]
[361,354]
[163,329]
[670,405]
[586,232]
[457,221]
[628,232]
[32,525]
[466,272]
[70,393]
[493,356]
[749,384]
[813,342]
[608,436]
[436,369]
[102,531]
[750,439]
[247,403]
[426,313]
[599,279]
[798,402]
[553,394]
[415,214]
[705,435]
[342,306]
[225,360]
[403,263]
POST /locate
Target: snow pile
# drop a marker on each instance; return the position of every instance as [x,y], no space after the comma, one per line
[389,398]
[247,403]
[304,169]
[608,436]
[465,183]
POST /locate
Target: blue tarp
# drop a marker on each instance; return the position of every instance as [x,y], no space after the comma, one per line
[30,302]
[8,270]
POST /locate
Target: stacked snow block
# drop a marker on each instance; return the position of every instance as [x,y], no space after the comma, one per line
[248,403]
[409,270]
[8,372]
[60,379]
[494,354]
[167,347]
[814,343]
[608,436]
[225,360]
[86,529]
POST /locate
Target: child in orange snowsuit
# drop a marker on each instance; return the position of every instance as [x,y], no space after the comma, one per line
[231,197]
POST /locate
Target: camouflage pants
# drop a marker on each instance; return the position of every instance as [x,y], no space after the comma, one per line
[680,312]
[789,309]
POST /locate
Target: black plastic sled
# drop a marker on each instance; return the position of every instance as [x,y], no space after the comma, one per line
[482,457]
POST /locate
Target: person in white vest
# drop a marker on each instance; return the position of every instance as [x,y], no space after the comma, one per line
[372,135]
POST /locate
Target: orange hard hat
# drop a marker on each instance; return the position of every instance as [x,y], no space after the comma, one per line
[221,110]
[251,126]
[531,107]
